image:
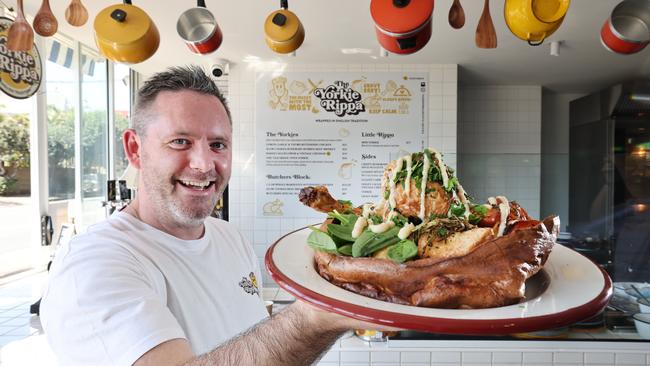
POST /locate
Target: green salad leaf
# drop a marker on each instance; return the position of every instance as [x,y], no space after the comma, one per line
[320,241]
[403,251]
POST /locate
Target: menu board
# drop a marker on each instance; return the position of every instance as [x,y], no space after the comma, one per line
[333,129]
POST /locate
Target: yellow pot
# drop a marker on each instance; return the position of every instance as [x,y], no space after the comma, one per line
[535,20]
[125,33]
[284,32]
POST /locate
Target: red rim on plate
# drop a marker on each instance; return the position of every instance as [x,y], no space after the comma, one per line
[447,324]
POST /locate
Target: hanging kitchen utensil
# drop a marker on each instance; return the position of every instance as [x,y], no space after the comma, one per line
[402,26]
[486,36]
[283,30]
[534,20]
[456,15]
[199,29]
[627,30]
[76,14]
[45,23]
[20,36]
[125,33]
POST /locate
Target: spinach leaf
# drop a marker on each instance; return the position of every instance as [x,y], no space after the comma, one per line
[369,242]
[343,232]
[403,251]
[346,250]
[319,240]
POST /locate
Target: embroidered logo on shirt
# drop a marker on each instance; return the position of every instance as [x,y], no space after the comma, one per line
[250,284]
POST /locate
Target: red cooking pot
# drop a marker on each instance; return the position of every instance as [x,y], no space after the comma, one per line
[199,29]
[402,26]
[627,30]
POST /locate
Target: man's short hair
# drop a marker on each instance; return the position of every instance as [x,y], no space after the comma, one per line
[176,78]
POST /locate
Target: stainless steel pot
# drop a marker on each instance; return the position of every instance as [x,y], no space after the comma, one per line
[199,29]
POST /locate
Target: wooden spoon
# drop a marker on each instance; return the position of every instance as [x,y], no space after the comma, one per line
[45,23]
[20,36]
[76,14]
[456,15]
[486,36]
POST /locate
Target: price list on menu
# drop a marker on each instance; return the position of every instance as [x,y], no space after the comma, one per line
[337,130]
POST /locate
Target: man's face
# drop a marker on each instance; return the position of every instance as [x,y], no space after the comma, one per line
[186,155]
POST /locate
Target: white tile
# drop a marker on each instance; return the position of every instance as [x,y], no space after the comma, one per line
[568,357]
[331,356]
[415,357]
[476,357]
[384,357]
[435,89]
[355,356]
[450,74]
[327,364]
[445,357]
[630,359]
[449,102]
[449,89]
[506,357]
[436,75]
[445,364]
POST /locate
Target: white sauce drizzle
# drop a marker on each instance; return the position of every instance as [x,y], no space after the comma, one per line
[405,231]
[367,210]
[380,228]
[463,199]
[423,189]
[492,201]
[391,184]
[407,183]
[359,225]
[504,207]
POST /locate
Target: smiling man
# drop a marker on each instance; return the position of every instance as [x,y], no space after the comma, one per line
[161,282]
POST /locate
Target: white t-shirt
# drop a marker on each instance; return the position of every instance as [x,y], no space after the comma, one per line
[124,287]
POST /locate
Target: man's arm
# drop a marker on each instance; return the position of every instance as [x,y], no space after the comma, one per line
[296,336]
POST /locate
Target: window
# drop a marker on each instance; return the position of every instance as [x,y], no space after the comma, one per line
[122,100]
[94,135]
[61,88]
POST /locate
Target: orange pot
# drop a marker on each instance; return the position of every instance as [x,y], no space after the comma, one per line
[402,26]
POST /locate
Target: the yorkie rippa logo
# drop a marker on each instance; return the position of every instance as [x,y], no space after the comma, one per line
[20,72]
[250,284]
[340,99]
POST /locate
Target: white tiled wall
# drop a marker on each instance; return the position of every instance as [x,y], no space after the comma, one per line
[353,351]
[263,231]
[499,144]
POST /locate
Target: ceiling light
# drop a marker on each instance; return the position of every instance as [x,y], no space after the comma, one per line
[355,51]
[555,48]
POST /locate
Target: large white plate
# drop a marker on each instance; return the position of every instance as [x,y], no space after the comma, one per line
[570,288]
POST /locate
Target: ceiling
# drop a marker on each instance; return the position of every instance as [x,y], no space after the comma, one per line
[583,65]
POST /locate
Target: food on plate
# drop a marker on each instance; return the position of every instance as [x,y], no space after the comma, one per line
[429,247]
